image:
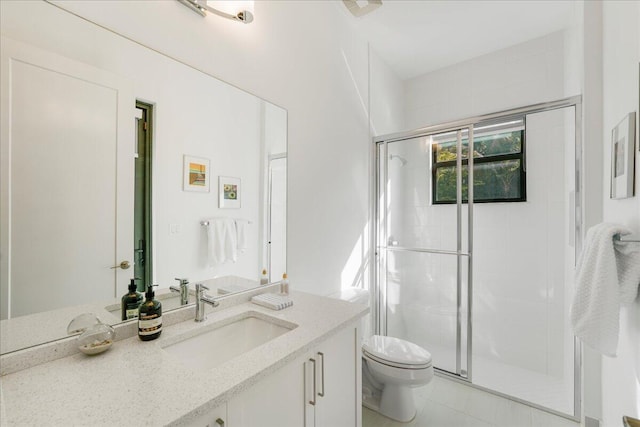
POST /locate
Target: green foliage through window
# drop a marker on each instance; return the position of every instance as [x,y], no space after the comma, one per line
[498,169]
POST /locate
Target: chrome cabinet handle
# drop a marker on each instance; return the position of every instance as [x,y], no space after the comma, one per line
[313,402]
[320,354]
[123,265]
[220,422]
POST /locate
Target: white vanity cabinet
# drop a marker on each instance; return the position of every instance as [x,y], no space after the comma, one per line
[290,398]
[333,399]
[214,418]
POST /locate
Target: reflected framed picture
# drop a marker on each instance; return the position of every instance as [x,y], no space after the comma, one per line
[623,139]
[229,192]
[196,174]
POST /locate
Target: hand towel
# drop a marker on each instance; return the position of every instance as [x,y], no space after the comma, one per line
[607,275]
[222,241]
[272,301]
[241,229]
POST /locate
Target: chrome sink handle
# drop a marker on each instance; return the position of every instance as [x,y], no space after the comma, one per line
[183,290]
[201,298]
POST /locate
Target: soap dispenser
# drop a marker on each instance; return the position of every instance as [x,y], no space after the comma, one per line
[264,279]
[284,285]
[150,317]
[131,302]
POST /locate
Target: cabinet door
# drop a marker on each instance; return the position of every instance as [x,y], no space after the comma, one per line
[276,401]
[338,378]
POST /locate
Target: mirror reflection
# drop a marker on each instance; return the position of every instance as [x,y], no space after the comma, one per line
[125,164]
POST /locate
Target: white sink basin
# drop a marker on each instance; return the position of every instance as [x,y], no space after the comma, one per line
[218,344]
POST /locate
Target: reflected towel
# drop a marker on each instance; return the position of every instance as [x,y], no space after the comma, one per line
[222,241]
[241,228]
[607,275]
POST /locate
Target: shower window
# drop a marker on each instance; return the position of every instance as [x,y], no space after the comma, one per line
[498,164]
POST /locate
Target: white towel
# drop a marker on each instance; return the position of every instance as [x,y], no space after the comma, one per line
[241,228]
[272,301]
[222,241]
[607,275]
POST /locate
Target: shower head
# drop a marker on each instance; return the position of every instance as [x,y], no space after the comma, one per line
[395,156]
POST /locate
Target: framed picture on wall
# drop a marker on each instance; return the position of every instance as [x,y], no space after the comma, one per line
[229,192]
[623,139]
[196,174]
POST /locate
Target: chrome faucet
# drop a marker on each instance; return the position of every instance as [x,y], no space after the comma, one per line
[183,290]
[201,298]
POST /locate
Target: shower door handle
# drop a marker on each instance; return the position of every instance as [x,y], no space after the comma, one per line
[392,242]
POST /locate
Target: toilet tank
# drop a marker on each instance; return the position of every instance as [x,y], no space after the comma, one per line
[358,296]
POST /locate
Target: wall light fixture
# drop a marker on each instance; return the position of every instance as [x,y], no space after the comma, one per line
[237,10]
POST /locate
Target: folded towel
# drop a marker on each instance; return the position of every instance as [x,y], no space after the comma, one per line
[222,241]
[241,229]
[272,301]
[607,275]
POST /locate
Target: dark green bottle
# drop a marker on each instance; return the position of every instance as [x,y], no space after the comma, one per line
[131,302]
[150,317]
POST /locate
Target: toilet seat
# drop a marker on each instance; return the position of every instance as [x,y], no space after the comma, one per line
[395,364]
[396,352]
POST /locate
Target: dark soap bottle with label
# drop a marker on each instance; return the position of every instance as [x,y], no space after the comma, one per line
[150,317]
[131,302]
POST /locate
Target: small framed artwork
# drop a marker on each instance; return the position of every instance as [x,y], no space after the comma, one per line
[623,139]
[196,174]
[229,192]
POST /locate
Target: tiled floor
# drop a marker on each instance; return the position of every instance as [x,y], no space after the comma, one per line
[445,403]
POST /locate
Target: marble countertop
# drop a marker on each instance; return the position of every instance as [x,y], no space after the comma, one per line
[138,383]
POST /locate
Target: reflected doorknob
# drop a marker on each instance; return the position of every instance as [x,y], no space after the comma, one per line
[123,265]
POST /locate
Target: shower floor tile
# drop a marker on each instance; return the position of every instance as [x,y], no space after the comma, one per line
[445,403]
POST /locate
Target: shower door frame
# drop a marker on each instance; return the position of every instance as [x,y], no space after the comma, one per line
[380,243]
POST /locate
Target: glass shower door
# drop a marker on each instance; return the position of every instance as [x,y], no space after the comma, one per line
[423,246]
[503,249]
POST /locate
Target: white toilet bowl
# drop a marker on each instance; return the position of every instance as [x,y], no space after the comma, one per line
[391,367]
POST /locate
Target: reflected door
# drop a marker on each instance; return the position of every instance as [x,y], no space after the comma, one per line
[277,217]
[67,174]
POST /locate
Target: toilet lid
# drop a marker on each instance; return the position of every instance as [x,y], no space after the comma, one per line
[396,351]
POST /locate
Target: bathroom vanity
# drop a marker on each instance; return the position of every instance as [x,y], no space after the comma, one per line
[304,371]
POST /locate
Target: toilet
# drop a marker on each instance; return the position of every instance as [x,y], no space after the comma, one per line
[391,367]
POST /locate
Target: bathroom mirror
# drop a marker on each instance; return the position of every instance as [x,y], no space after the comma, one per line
[121,162]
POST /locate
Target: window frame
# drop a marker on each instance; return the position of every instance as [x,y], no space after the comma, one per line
[435,165]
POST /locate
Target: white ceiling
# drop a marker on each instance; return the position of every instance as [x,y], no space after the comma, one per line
[418,36]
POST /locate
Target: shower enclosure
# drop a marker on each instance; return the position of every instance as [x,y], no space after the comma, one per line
[481,275]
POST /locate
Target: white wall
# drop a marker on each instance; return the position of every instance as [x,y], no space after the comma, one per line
[387,97]
[520,75]
[621,57]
